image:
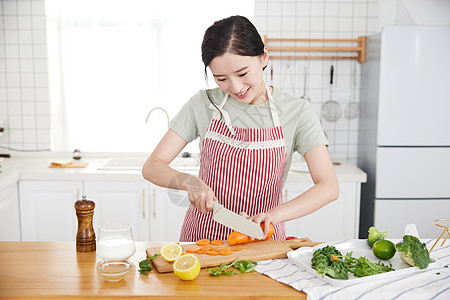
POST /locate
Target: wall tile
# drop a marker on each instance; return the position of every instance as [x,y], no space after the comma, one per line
[25,36]
[24,23]
[24,7]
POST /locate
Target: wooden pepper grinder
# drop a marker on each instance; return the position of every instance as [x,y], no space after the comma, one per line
[85,234]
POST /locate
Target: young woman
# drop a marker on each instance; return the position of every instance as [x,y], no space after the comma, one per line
[248,132]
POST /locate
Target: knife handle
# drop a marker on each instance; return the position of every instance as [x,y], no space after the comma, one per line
[302,242]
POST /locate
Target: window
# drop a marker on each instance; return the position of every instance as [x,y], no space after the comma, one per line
[111,62]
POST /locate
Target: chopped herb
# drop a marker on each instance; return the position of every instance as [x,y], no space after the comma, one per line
[438,273]
[223,269]
[146,265]
[245,266]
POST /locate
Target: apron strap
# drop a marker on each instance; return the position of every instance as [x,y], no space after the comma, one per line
[273,109]
[225,114]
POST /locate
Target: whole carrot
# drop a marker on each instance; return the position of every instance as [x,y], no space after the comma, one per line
[236,238]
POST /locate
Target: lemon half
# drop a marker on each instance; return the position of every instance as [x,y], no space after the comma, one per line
[171,252]
[187,267]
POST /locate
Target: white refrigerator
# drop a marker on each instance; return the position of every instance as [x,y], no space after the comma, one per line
[404,136]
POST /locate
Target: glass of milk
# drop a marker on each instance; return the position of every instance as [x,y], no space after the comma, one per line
[115,241]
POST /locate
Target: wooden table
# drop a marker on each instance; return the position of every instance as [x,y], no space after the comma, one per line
[55,270]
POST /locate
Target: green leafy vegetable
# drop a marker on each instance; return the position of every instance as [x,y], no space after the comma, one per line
[324,263]
[245,266]
[361,267]
[413,252]
[375,236]
[146,265]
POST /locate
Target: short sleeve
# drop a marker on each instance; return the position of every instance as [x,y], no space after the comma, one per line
[185,122]
[308,132]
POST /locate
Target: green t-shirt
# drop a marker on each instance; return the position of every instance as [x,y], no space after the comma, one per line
[300,124]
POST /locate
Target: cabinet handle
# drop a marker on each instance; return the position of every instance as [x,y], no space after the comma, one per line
[143,204]
[154,203]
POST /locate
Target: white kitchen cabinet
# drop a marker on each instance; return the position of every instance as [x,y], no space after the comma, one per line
[125,201]
[9,214]
[394,214]
[168,208]
[335,221]
[47,210]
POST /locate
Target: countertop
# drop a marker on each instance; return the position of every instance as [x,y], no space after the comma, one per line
[36,167]
[32,270]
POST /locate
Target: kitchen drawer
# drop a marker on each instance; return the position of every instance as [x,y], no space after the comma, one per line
[394,214]
[9,214]
[413,172]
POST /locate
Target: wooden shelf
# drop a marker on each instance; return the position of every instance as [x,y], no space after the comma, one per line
[359,49]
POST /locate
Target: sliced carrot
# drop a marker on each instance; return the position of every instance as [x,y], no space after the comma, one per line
[225,251]
[212,252]
[334,257]
[236,238]
[203,242]
[217,242]
[236,249]
[193,250]
[200,251]
[206,248]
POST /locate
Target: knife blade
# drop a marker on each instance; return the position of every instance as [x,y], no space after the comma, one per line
[236,222]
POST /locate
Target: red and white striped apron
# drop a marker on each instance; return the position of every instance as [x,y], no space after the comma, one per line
[244,167]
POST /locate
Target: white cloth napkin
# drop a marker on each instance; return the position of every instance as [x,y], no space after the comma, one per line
[433,283]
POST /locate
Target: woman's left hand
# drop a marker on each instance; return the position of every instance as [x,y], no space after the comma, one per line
[265,218]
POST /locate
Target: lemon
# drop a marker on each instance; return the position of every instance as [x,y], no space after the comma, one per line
[171,252]
[187,267]
[384,249]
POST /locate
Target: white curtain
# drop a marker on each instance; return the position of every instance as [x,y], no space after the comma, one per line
[111,62]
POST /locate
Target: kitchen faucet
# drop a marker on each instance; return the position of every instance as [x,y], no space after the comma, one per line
[156,108]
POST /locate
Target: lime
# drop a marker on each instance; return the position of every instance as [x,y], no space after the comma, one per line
[384,249]
[171,251]
[187,267]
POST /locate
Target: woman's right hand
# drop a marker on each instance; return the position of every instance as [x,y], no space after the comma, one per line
[200,194]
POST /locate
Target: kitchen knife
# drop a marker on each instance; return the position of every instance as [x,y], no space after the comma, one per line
[236,222]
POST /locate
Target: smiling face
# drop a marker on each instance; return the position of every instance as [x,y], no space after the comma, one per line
[241,77]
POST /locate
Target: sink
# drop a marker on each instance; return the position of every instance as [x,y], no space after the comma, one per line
[189,164]
[123,163]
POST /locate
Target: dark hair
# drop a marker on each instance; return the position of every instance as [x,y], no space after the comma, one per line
[236,35]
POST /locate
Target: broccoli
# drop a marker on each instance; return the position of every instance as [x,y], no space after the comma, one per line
[413,252]
[375,236]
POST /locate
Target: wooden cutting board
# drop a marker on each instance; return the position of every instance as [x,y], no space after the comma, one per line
[70,164]
[255,251]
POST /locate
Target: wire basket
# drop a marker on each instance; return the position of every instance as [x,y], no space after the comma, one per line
[445,229]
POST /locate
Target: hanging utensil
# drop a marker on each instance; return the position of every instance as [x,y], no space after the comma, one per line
[305,71]
[331,110]
[352,109]
[291,75]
